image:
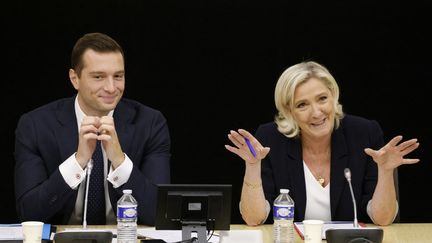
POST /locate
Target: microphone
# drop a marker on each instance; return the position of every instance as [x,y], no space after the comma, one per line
[356,234]
[89,169]
[85,235]
[347,173]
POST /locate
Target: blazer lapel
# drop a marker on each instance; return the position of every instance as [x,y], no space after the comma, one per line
[67,132]
[339,161]
[123,119]
[296,173]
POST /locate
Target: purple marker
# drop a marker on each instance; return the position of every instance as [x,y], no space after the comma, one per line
[250,147]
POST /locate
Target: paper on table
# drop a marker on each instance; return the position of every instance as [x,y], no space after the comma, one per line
[113,230]
[241,236]
[11,232]
[327,225]
[168,235]
[14,232]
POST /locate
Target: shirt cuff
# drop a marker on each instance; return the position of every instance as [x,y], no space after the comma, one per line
[121,174]
[72,172]
[369,210]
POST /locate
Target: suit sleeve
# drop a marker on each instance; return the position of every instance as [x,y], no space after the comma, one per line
[151,167]
[376,141]
[40,189]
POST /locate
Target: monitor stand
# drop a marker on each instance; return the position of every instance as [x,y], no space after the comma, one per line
[198,228]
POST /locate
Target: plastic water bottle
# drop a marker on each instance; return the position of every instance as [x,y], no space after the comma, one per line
[283,217]
[127,218]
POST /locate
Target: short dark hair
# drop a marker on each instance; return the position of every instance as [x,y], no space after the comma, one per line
[95,41]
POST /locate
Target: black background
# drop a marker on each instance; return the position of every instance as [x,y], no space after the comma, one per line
[211,66]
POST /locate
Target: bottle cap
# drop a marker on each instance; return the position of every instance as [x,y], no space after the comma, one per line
[127,191]
[283,190]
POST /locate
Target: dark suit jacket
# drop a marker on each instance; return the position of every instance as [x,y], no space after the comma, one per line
[48,135]
[283,167]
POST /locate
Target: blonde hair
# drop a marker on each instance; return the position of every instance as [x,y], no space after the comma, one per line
[290,79]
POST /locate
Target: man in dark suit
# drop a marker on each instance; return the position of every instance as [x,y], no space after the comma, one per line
[55,142]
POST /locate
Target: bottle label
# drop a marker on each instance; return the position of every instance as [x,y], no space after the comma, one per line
[127,212]
[283,211]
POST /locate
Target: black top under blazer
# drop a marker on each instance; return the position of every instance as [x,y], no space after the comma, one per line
[283,167]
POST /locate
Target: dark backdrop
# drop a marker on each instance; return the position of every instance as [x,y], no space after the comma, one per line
[211,66]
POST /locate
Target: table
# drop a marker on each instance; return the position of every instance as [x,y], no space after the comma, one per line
[395,233]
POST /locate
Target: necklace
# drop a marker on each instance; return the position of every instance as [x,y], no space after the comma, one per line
[320,168]
[321,180]
[319,176]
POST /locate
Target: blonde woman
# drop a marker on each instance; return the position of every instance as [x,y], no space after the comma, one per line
[306,150]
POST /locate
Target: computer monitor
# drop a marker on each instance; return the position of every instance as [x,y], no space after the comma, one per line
[193,208]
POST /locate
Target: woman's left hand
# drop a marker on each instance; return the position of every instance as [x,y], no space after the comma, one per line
[391,155]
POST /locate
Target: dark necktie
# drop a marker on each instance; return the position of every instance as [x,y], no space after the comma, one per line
[96,193]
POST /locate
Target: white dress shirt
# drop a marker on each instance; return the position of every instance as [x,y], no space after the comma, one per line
[74,175]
